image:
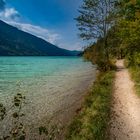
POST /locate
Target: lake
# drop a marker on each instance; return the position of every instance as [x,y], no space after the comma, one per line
[52,85]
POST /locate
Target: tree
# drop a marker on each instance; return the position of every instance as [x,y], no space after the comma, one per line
[95,19]
[129,29]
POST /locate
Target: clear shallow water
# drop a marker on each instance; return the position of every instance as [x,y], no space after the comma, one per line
[52,85]
[31,70]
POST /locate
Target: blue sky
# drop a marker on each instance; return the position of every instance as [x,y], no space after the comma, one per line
[52,20]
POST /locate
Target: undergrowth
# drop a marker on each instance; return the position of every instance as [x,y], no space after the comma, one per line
[91,122]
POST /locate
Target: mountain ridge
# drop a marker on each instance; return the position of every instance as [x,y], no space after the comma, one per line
[15,42]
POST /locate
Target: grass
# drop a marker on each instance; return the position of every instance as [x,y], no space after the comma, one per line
[135,74]
[91,123]
[134,70]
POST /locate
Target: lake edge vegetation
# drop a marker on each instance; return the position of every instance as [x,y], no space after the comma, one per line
[135,76]
[114,28]
[92,121]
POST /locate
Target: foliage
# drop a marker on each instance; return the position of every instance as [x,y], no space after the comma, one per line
[123,37]
[135,74]
[95,22]
[95,18]
[129,30]
[121,40]
[92,121]
[96,55]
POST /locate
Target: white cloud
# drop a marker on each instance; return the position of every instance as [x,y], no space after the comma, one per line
[11,16]
[9,13]
[37,31]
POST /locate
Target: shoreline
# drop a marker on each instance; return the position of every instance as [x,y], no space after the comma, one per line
[64,105]
[92,121]
[65,113]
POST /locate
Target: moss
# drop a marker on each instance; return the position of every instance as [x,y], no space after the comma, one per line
[91,122]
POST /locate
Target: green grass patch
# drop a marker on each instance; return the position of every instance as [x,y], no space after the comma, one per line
[135,75]
[91,122]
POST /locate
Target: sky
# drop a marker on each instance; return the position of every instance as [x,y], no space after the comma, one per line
[52,20]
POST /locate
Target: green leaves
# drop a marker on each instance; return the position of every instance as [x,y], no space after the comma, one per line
[95,18]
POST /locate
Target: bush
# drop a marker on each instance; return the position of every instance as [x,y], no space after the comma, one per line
[106,65]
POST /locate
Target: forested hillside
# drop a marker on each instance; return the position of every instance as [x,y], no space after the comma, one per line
[14,42]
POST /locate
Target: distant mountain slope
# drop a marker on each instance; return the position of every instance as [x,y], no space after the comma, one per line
[14,42]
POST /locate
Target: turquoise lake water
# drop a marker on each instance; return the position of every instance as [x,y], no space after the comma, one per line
[53,87]
[32,70]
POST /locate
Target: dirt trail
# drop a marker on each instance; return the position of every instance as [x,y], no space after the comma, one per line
[125,117]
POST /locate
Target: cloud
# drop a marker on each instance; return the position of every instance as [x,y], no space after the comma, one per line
[38,31]
[2,4]
[9,14]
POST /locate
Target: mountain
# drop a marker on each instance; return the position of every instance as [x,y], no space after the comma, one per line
[14,42]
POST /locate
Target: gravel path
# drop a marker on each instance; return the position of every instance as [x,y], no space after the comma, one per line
[125,117]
